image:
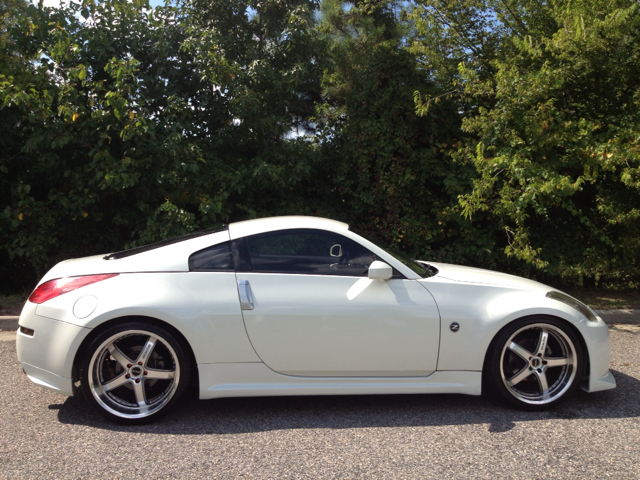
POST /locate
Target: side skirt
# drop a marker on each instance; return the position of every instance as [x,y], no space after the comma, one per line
[219,380]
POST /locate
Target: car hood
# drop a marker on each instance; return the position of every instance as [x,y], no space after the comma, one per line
[459,273]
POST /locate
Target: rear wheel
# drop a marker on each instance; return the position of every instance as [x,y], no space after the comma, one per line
[535,363]
[133,373]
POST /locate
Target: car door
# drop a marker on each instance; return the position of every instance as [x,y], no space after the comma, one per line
[310,309]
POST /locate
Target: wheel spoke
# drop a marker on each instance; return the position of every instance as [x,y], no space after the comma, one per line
[518,377]
[138,390]
[120,357]
[115,383]
[544,387]
[557,362]
[160,374]
[542,342]
[146,350]
[520,351]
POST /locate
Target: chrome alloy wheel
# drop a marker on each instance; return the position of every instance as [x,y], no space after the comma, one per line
[133,374]
[538,363]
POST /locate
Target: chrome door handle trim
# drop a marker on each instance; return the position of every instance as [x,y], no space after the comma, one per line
[246,297]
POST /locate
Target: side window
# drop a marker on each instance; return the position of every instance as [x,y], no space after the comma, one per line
[313,252]
[212,259]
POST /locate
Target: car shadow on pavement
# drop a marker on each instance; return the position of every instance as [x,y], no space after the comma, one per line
[246,415]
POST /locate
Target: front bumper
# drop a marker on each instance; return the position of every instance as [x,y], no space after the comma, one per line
[596,336]
[47,356]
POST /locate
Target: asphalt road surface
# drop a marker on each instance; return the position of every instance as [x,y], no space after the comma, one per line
[45,435]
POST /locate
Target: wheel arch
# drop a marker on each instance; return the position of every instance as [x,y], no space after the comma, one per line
[77,361]
[586,357]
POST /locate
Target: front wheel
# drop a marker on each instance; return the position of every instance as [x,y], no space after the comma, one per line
[535,363]
[133,373]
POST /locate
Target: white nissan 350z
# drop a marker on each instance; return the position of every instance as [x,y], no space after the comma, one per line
[299,306]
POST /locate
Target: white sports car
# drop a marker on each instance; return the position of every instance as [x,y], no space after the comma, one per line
[299,306]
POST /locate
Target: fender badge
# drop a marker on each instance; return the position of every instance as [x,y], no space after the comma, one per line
[455,326]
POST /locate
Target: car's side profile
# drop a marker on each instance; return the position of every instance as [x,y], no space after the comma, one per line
[299,306]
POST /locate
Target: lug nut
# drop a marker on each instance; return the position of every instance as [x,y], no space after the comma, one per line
[129,365]
[145,372]
[139,363]
[137,380]
[127,376]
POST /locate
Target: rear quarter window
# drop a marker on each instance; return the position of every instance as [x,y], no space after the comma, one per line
[212,259]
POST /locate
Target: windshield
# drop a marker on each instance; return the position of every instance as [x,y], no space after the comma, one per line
[425,271]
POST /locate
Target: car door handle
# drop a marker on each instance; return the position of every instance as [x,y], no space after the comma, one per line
[246,297]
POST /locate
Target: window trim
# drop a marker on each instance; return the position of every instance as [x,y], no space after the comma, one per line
[163,243]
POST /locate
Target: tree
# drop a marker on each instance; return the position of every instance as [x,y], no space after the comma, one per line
[387,166]
[491,132]
[12,64]
[264,61]
[551,103]
[103,136]
[135,125]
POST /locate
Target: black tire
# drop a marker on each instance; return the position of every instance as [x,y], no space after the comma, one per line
[534,363]
[133,373]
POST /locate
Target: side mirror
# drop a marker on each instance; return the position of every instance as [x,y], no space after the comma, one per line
[380,271]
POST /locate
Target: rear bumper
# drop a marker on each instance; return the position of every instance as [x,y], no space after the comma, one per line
[49,380]
[47,356]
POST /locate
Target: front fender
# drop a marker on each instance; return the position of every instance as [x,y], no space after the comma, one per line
[483,310]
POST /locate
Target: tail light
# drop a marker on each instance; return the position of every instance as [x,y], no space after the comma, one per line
[54,288]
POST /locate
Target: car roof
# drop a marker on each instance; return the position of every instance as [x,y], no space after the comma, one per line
[269,224]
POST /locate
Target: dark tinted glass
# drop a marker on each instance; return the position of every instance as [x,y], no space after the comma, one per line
[308,251]
[163,243]
[422,269]
[212,259]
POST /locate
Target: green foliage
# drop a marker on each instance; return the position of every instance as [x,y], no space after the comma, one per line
[264,62]
[11,305]
[558,149]
[548,95]
[388,167]
[496,133]
[129,131]
[101,144]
